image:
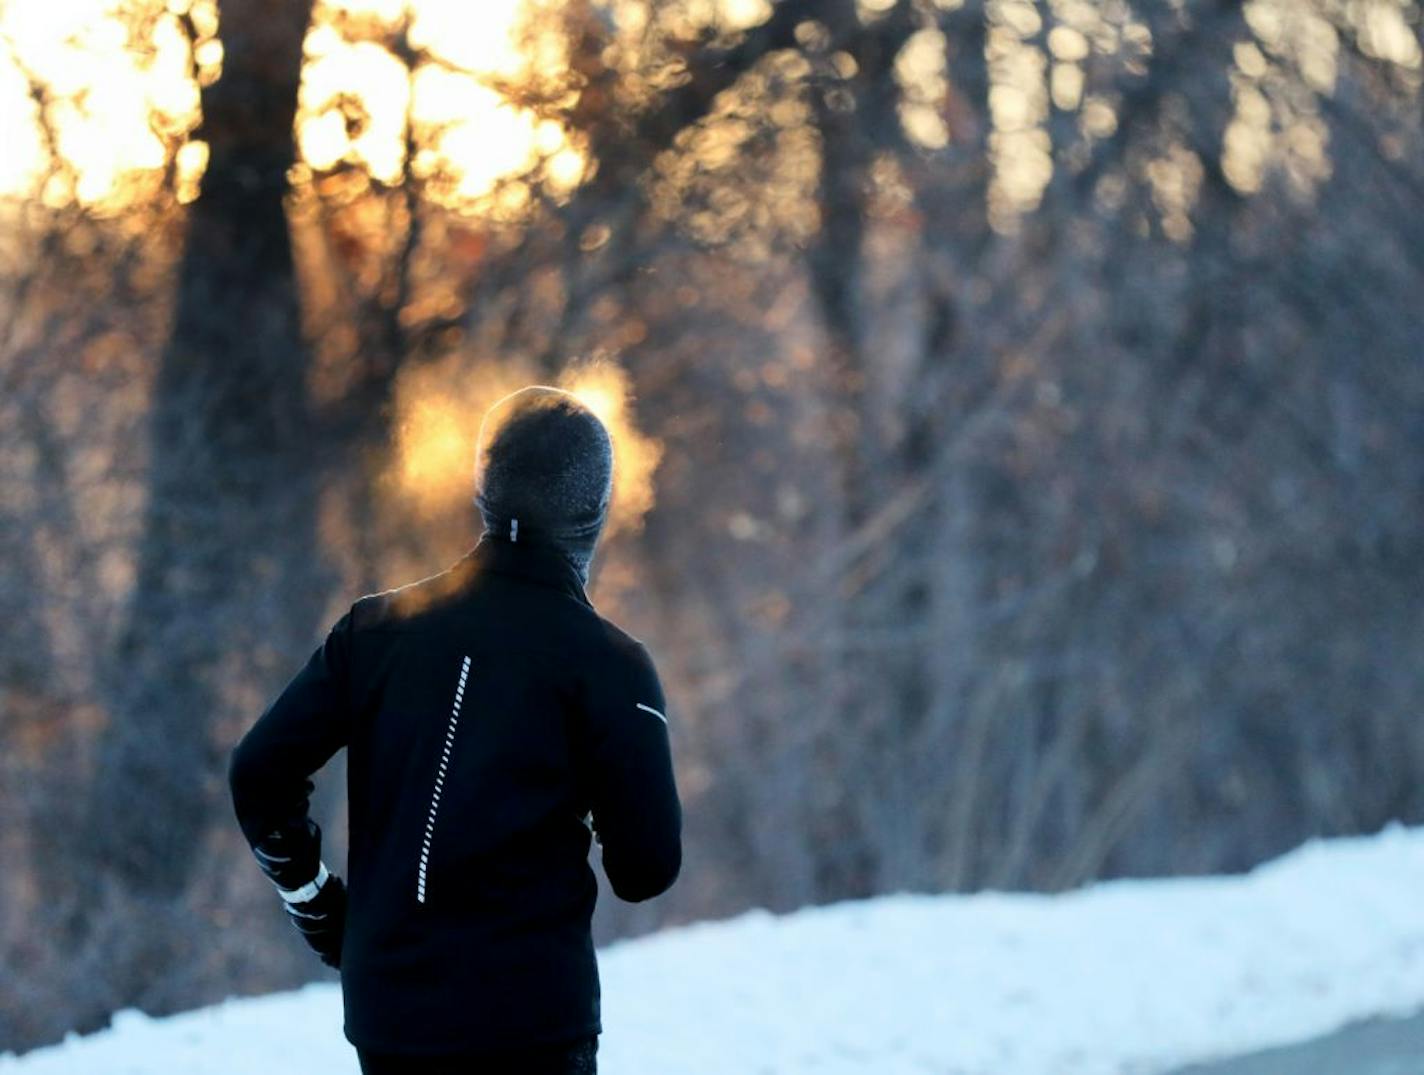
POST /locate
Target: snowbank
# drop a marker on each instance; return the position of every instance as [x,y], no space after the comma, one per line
[1127,976]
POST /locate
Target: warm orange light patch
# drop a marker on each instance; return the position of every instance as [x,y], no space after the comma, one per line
[434,442]
[607,391]
[439,412]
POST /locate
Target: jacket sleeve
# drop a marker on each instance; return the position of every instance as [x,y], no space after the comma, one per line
[636,813]
[270,768]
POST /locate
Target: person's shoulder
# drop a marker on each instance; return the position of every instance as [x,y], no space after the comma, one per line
[402,605]
[618,645]
[625,667]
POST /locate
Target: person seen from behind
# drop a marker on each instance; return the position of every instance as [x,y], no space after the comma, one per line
[495,726]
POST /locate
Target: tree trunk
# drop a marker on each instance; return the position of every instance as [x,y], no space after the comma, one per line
[225,573]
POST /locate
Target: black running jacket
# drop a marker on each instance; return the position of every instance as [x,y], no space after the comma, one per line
[494,725]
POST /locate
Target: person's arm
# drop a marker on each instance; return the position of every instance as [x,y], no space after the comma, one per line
[269,775]
[637,817]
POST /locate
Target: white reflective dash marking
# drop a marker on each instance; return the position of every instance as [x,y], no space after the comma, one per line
[654,712]
[440,781]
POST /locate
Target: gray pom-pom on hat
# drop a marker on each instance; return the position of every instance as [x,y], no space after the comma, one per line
[544,472]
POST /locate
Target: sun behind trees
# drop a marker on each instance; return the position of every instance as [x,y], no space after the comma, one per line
[1017,406]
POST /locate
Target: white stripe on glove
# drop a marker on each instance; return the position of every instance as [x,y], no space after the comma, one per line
[309,890]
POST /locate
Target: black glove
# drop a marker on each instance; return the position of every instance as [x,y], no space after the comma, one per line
[321,920]
[315,900]
[290,856]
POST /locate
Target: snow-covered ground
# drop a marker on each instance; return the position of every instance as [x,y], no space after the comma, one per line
[1127,976]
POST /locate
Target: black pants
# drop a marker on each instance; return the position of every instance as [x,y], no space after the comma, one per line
[568,1058]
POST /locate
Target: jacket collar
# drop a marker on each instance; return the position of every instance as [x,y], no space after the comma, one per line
[528,560]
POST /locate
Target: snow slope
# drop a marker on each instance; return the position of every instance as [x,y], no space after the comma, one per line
[1126,976]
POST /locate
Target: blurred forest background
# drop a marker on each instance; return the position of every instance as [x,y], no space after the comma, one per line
[1019,404]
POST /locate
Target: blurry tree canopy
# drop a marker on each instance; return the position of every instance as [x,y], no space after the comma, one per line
[1019,409]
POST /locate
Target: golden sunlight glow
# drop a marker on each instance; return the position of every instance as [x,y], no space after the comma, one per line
[481,37]
[114,113]
[439,410]
[484,138]
[23,159]
[357,97]
[374,137]
[189,164]
[381,10]
[742,14]
[1018,107]
[435,442]
[1386,34]
[1302,37]
[922,71]
[607,391]
[119,109]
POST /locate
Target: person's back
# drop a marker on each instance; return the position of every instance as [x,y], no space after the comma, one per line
[494,724]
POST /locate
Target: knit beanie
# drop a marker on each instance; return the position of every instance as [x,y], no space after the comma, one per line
[544,472]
